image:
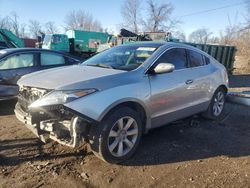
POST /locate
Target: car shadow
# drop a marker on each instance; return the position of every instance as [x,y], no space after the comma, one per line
[17,151]
[201,140]
[240,80]
[7,107]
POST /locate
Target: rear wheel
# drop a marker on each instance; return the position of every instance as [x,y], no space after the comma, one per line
[117,137]
[217,104]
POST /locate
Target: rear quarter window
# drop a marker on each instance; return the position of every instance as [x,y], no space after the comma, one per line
[48,59]
[206,60]
[196,59]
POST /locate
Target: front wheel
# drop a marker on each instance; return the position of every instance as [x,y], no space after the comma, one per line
[117,137]
[217,105]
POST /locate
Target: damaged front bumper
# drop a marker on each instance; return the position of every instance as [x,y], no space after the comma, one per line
[57,123]
[27,120]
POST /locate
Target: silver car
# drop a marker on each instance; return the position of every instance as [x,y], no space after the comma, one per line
[114,97]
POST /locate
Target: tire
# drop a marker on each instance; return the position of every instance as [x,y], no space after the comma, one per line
[216,106]
[117,137]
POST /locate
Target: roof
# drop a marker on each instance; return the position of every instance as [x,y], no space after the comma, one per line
[161,43]
[8,51]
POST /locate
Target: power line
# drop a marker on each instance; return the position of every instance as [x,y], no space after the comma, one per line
[214,9]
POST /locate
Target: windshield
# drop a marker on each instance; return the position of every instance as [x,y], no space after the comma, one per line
[122,57]
[47,39]
[57,38]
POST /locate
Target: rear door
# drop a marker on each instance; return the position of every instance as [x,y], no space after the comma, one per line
[12,68]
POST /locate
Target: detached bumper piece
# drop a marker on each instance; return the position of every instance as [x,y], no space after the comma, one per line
[64,132]
[61,126]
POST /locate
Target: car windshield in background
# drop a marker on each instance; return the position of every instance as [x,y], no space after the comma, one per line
[122,57]
[47,39]
[56,39]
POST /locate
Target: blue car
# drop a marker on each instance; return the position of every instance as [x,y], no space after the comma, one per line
[16,62]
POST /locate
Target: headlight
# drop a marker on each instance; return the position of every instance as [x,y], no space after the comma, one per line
[61,97]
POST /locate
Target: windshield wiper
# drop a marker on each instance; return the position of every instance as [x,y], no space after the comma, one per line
[101,65]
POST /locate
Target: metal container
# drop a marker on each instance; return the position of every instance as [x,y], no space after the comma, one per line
[86,41]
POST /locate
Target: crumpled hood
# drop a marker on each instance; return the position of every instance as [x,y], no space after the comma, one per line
[64,76]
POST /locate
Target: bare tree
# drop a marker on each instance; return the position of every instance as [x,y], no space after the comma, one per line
[243,43]
[34,28]
[179,35]
[81,20]
[5,23]
[51,28]
[130,12]
[14,23]
[159,17]
[97,26]
[214,40]
[71,21]
[22,31]
[237,35]
[229,35]
[232,31]
[200,36]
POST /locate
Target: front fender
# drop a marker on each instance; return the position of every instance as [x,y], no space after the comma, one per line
[124,100]
[98,104]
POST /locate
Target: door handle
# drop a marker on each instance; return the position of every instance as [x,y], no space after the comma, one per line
[189,82]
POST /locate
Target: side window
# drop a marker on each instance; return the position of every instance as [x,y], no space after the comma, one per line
[196,59]
[51,59]
[176,56]
[17,61]
[206,60]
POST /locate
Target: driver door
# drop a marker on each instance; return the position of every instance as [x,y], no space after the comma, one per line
[170,94]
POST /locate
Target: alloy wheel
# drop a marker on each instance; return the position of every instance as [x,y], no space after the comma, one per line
[219,101]
[122,136]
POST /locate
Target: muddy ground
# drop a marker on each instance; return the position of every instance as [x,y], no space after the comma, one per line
[198,154]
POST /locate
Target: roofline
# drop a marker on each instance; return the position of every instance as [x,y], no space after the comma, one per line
[14,50]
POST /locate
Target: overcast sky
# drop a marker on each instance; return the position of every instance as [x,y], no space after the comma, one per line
[108,12]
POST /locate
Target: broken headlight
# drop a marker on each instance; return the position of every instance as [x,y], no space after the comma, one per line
[61,97]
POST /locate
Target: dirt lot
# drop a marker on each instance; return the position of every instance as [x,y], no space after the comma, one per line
[198,154]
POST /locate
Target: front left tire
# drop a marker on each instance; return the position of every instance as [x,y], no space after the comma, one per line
[117,137]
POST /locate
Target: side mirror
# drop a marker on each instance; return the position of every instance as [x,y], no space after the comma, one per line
[164,68]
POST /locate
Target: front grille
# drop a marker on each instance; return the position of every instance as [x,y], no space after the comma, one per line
[28,95]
